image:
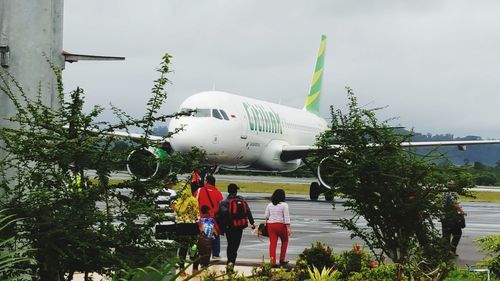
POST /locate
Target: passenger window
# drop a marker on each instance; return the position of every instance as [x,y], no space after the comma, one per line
[224,114]
[216,114]
[202,112]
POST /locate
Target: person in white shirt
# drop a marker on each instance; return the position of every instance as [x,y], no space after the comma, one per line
[277,218]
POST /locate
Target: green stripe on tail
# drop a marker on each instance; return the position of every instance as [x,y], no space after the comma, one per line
[312,100]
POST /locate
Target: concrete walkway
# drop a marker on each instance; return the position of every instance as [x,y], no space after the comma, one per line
[244,266]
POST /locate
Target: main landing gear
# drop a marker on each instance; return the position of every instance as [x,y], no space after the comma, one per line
[315,189]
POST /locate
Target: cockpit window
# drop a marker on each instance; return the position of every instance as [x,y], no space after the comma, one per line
[224,114]
[184,110]
[205,112]
[216,114]
[202,112]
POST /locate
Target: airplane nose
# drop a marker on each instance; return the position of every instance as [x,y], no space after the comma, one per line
[182,140]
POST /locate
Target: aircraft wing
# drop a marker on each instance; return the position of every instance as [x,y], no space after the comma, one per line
[129,135]
[292,152]
[135,136]
[448,143]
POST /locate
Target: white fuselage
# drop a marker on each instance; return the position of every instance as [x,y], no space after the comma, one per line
[242,133]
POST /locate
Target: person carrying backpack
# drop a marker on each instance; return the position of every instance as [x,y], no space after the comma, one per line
[453,221]
[208,231]
[235,215]
[209,195]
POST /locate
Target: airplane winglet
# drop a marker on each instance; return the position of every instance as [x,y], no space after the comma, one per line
[313,98]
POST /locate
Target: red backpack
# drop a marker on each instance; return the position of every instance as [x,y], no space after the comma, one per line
[238,212]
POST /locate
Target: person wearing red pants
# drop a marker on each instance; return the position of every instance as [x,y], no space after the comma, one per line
[277,218]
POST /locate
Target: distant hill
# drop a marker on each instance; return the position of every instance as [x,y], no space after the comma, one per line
[160,131]
[488,154]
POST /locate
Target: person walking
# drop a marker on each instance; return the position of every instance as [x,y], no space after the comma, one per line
[235,216]
[277,219]
[196,181]
[185,228]
[208,231]
[452,222]
[209,195]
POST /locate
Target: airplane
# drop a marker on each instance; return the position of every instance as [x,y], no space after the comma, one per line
[245,134]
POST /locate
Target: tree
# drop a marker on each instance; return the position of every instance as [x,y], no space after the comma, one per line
[485,178]
[397,191]
[71,222]
[479,166]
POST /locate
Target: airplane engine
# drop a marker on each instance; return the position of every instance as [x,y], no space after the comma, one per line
[322,179]
[270,159]
[146,163]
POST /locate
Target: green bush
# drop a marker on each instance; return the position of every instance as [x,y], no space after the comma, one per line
[319,255]
[485,178]
[301,269]
[346,263]
[326,274]
[491,245]
[267,273]
[381,273]
[466,275]
[13,258]
[354,260]
[164,272]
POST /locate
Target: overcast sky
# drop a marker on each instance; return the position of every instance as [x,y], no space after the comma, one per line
[434,64]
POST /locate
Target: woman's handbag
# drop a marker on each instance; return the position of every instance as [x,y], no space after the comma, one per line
[262,230]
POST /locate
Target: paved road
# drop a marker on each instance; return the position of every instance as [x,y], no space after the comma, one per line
[316,221]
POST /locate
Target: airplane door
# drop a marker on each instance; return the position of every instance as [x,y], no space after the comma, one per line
[248,145]
[243,136]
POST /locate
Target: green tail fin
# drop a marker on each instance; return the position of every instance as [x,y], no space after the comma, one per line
[312,100]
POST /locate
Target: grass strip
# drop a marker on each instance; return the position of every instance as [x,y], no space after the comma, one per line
[303,189]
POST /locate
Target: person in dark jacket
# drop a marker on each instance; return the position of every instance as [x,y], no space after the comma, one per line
[452,222]
[232,224]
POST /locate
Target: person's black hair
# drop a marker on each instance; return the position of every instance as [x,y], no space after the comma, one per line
[210,180]
[232,188]
[278,196]
[205,209]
